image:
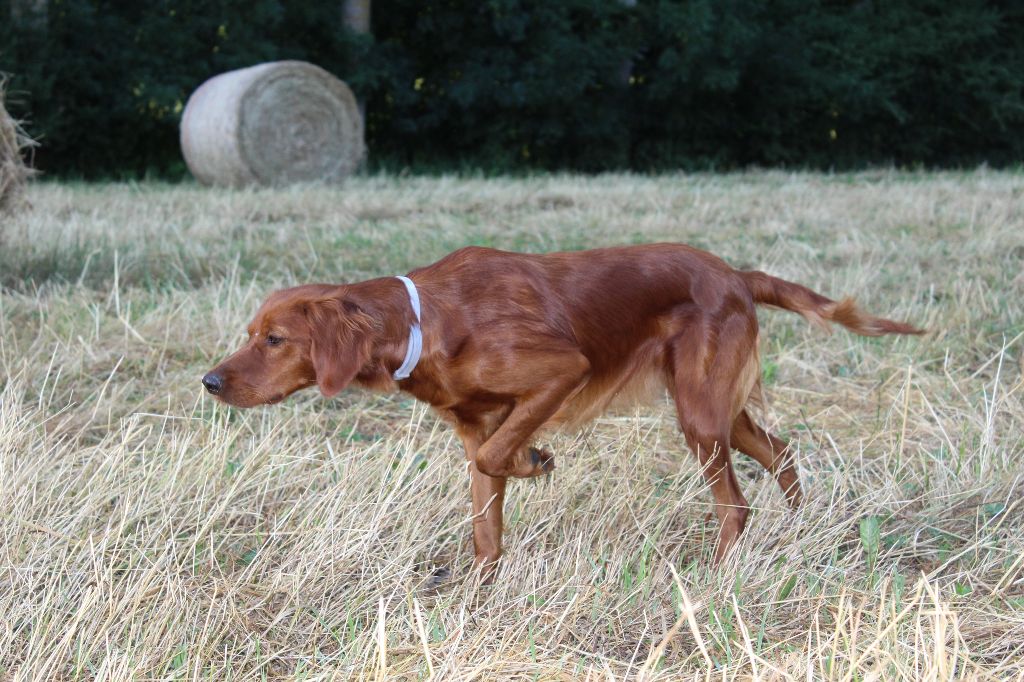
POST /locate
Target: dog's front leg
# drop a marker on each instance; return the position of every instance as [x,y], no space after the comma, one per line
[542,382]
[488,494]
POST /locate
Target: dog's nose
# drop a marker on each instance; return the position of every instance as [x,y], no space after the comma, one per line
[213,383]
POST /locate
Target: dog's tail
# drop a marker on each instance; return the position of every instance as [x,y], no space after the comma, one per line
[818,309]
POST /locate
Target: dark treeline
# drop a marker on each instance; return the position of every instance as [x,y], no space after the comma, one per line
[505,85]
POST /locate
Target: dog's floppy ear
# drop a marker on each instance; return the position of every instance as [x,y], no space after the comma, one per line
[341,336]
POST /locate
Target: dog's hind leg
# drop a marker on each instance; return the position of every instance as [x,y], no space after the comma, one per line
[709,367]
[771,452]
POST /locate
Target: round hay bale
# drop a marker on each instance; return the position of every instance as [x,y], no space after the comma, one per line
[14,171]
[272,124]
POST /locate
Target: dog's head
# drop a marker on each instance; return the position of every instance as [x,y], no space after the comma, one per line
[311,334]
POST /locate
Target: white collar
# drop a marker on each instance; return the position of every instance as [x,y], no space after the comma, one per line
[415,348]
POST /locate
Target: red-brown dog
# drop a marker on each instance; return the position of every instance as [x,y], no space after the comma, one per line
[514,343]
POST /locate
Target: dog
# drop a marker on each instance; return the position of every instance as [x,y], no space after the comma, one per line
[507,345]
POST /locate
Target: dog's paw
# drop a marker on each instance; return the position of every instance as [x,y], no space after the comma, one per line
[528,462]
[543,461]
[534,462]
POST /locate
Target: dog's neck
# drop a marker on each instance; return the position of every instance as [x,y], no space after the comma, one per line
[387,301]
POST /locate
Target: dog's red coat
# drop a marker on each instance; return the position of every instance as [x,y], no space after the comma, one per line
[515,343]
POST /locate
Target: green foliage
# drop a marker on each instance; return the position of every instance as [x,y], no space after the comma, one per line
[508,85]
[870,535]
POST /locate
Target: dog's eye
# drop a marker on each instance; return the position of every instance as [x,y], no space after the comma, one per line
[274,340]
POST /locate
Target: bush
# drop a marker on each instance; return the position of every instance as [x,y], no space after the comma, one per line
[511,85]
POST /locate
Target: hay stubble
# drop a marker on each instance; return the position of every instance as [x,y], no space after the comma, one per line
[149,533]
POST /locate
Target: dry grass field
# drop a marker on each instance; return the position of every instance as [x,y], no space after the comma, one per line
[149,533]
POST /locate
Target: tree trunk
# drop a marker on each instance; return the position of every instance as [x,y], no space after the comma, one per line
[625,69]
[356,15]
